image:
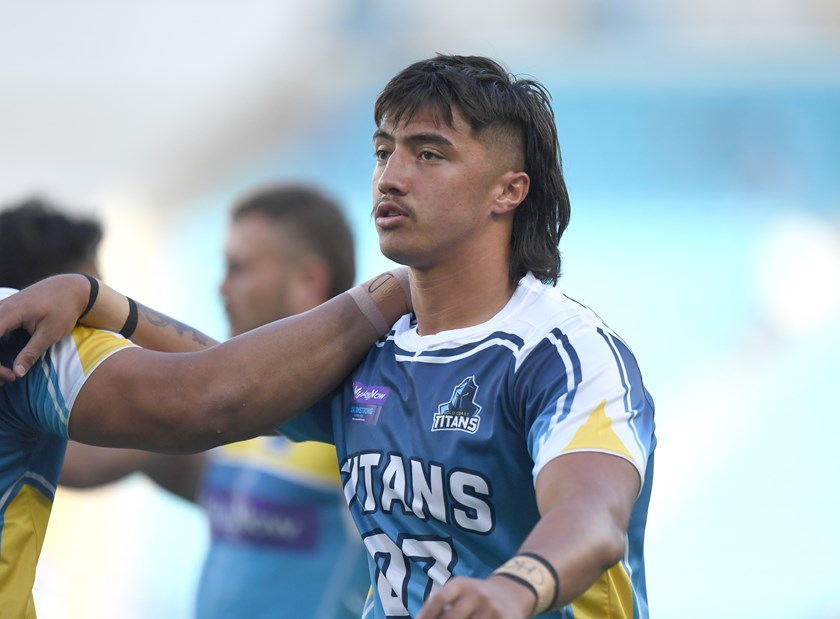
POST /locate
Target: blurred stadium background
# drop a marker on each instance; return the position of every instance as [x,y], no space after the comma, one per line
[701,142]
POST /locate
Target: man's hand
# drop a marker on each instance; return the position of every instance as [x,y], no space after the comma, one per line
[48,311]
[475,598]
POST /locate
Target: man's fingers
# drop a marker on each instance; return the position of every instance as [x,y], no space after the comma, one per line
[9,321]
[29,354]
[434,606]
[472,598]
[447,603]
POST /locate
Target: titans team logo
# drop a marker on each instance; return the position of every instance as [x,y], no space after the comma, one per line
[461,412]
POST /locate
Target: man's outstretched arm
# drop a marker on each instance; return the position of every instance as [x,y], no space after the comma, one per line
[188,402]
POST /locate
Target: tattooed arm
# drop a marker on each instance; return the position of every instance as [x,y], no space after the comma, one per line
[155,330]
[49,309]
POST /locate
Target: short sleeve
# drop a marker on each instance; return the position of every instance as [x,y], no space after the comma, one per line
[56,380]
[584,393]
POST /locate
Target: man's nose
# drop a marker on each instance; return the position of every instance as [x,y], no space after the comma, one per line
[393,175]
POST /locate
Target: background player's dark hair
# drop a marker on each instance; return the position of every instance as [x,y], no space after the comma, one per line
[317,220]
[38,240]
[489,97]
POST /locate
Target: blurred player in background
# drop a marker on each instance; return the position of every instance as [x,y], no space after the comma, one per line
[38,240]
[282,543]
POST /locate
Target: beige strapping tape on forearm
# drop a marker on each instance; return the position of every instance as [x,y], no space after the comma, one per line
[369,308]
[536,574]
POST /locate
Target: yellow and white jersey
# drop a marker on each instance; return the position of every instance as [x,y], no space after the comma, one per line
[34,414]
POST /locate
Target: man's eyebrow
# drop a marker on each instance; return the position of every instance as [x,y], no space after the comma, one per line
[382,134]
[417,138]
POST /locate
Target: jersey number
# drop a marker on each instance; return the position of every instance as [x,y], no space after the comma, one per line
[395,562]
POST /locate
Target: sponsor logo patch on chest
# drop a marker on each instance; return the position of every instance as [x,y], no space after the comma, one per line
[461,411]
[367,402]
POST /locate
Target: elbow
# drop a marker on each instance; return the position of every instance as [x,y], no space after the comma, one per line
[212,416]
[197,424]
[613,545]
[209,407]
[189,420]
[215,424]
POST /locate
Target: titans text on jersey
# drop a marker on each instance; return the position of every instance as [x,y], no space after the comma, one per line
[460,498]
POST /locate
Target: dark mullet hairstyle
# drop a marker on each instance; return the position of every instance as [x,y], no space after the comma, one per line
[489,97]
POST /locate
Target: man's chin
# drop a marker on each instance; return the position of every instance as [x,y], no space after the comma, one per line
[395,254]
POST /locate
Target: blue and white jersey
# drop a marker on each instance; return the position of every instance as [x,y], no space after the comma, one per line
[280,534]
[34,415]
[440,439]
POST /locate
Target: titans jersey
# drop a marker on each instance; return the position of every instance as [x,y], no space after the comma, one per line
[34,413]
[282,542]
[441,437]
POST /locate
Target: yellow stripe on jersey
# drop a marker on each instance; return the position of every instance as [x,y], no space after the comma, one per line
[315,461]
[24,527]
[597,434]
[367,609]
[94,345]
[609,596]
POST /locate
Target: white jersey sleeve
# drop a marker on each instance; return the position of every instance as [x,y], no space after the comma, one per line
[584,392]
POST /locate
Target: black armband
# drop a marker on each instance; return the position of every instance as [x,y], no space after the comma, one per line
[94,292]
[131,321]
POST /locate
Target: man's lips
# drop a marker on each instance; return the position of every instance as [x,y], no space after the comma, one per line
[388,209]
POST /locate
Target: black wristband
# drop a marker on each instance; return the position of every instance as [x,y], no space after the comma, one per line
[525,583]
[94,292]
[552,571]
[131,322]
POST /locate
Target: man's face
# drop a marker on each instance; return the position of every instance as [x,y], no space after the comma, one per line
[261,277]
[433,191]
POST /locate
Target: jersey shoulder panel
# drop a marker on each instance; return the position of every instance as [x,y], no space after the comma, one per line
[63,370]
[583,384]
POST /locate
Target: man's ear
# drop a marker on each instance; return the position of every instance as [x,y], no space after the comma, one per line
[513,188]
